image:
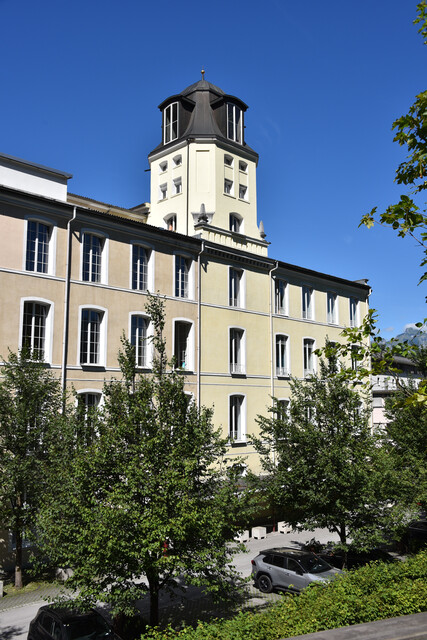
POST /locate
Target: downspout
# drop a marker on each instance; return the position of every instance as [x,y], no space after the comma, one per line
[188,190]
[199,321]
[67,302]
[271,331]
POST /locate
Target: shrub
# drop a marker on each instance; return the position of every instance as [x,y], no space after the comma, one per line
[373,592]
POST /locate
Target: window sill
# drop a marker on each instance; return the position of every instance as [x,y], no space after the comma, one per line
[237,443]
[92,367]
[244,200]
[283,376]
[230,195]
[174,195]
[235,374]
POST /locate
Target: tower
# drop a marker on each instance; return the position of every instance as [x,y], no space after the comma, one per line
[203,174]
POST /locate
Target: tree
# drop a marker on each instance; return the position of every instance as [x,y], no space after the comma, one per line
[31,429]
[151,498]
[322,464]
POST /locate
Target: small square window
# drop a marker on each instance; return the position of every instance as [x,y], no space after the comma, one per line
[177,186]
[163,166]
[177,160]
[243,192]
[243,166]
[228,161]
[228,187]
[235,223]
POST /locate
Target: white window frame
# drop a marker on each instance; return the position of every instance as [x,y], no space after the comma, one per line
[281,302]
[103,275]
[354,312]
[307,302]
[91,391]
[189,261]
[309,371]
[332,307]
[48,338]
[102,347]
[240,429]
[148,340]
[283,406]
[282,364]
[163,191]
[150,266]
[237,350]
[234,123]
[237,302]
[168,134]
[189,360]
[228,187]
[235,220]
[170,221]
[177,186]
[245,195]
[51,245]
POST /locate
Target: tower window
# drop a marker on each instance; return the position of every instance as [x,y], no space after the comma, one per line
[235,223]
[163,191]
[243,192]
[163,166]
[177,186]
[234,123]
[228,187]
[228,161]
[243,166]
[171,123]
[177,160]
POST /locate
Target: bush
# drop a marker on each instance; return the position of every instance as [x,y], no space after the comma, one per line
[373,592]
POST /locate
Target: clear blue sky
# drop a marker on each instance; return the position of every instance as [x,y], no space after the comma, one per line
[81,82]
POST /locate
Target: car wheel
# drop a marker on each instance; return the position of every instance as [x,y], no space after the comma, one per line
[264,584]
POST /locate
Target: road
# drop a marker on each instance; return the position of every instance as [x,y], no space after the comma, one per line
[14,622]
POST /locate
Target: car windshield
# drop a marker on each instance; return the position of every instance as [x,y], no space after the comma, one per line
[88,628]
[314,564]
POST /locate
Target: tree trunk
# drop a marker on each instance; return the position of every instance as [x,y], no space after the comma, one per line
[343,540]
[154,601]
[18,559]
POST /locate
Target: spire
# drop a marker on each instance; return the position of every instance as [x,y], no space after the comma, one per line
[203,74]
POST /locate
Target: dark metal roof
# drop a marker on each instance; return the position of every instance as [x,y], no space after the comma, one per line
[202,85]
[27,163]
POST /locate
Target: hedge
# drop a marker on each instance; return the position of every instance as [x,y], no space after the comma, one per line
[373,592]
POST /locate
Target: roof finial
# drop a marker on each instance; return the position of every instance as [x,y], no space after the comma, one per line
[203,74]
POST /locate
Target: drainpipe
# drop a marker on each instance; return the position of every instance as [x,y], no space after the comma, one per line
[271,331]
[67,302]
[199,321]
[188,189]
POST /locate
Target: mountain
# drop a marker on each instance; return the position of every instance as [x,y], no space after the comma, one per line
[413,336]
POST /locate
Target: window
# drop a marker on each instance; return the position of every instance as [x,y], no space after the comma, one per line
[177,160]
[87,403]
[282,355]
[354,312]
[37,252]
[282,409]
[183,351]
[34,328]
[91,337]
[235,286]
[182,271]
[138,338]
[171,122]
[163,191]
[243,192]
[93,246]
[170,222]
[237,351]
[140,264]
[243,167]
[228,187]
[236,426]
[163,166]
[280,297]
[307,303]
[234,123]
[332,307]
[309,357]
[177,186]
[235,222]
[228,161]
[355,357]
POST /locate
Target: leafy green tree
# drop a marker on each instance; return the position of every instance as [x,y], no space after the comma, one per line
[151,498]
[31,430]
[322,464]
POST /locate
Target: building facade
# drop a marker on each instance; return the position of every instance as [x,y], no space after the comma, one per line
[75,272]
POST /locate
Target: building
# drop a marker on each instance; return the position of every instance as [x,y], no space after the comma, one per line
[74,272]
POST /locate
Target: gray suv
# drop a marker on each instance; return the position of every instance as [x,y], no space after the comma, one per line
[290,569]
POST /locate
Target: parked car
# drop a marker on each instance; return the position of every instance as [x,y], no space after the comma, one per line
[289,569]
[53,623]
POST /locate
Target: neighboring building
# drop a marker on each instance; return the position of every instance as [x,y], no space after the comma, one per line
[74,272]
[385,385]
